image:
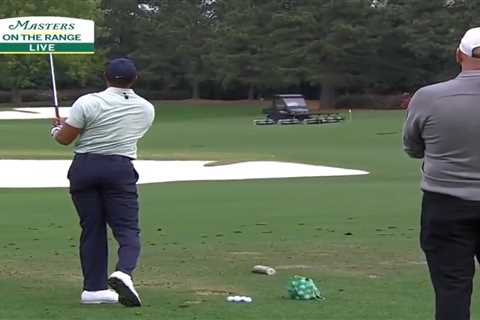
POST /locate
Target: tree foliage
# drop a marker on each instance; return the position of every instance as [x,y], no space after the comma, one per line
[341,45]
[256,47]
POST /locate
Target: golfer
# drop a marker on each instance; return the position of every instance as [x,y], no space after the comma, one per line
[443,128]
[108,125]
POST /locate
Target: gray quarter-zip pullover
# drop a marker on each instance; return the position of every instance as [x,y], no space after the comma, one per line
[443,128]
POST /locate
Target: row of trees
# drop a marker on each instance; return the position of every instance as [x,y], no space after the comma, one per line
[235,48]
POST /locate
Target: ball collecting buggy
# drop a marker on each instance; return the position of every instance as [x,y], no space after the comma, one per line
[292,109]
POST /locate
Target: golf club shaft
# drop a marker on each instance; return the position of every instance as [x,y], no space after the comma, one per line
[54,86]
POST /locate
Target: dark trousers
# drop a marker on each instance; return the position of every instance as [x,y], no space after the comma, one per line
[104,192]
[450,238]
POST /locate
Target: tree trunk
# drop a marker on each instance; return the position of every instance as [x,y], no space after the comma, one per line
[327,95]
[251,92]
[16,97]
[195,89]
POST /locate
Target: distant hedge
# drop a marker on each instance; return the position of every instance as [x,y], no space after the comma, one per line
[351,101]
[369,101]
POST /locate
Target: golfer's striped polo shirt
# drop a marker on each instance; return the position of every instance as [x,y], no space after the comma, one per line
[111,122]
[443,128]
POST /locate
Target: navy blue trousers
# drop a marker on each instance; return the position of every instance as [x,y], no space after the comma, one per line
[104,192]
[450,238]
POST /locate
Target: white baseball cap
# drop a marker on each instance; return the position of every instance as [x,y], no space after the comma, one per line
[470,41]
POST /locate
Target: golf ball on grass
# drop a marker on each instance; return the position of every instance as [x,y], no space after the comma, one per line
[239,299]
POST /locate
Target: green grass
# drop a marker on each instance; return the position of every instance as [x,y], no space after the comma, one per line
[356,236]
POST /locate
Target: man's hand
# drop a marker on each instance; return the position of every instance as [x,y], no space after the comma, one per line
[62,132]
[55,130]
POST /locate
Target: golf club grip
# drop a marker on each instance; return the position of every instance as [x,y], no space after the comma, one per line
[57,112]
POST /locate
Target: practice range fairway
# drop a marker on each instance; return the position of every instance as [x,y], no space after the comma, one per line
[357,237]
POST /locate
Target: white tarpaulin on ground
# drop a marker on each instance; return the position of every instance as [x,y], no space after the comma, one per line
[53,173]
[32,113]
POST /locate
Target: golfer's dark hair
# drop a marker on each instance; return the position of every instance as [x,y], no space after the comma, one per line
[121,83]
[476,53]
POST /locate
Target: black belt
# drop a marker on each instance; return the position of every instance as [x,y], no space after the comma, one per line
[102,156]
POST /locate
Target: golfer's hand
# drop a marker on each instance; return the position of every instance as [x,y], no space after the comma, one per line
[62,132]
[54,130]
[57,124]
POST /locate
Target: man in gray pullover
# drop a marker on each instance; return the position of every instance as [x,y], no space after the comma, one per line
[442,128]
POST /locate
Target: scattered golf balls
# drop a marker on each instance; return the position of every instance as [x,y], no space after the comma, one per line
[239,299]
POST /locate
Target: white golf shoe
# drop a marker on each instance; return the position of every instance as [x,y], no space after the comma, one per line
[99,297]
[122,284]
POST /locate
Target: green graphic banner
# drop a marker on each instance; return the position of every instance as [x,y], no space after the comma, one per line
[46,48]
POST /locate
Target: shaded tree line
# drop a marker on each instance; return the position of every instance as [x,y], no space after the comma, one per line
[254,48]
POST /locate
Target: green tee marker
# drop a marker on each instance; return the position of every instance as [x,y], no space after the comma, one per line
[301,288]
[47,35]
